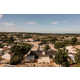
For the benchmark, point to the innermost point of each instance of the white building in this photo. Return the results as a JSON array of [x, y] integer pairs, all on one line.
[[71, 49], [6, 56], [44, 60], [72, 57], [28, 40]]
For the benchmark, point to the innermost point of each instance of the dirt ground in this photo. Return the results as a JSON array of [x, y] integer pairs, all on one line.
[[30, 65]]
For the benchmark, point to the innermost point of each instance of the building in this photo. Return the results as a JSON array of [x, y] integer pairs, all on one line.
[[31, 57], [71, 49], [44, 60], [28, 40], [6, 56]]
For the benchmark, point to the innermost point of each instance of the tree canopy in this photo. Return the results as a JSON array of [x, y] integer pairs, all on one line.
[[61, 57], [19, 50]]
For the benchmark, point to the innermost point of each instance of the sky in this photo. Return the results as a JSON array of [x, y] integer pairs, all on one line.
[[41, 23]]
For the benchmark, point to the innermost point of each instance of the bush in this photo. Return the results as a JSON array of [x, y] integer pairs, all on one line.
[[74, 40], [1, 45], [46, 47], [58, 45], [53, 40]]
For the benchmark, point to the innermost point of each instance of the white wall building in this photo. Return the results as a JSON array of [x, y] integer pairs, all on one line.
[[71, 49], [44, 60]]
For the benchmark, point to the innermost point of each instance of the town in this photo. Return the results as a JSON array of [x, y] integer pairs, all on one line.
[[21, 49]]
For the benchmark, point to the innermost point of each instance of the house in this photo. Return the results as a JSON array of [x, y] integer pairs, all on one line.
[[51, 53], [28, 40], [44, 60], [72, 57], [32, 57], [6, 56], [5, 47], [71, 49], [35, 47]]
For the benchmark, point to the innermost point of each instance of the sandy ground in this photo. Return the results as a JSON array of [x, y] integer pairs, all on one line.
[[30, 65], [37, 65]]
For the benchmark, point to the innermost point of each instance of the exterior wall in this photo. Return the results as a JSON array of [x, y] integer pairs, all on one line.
[[44, 60], [6, 56]]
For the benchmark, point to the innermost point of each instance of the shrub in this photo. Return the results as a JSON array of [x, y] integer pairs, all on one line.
[[58, 45], [46, 47], [53, 40], [74, 40]]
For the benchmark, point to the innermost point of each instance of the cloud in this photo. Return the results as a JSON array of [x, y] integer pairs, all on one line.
[[31, 22], [8, 24], [54, 22], [1, 16]]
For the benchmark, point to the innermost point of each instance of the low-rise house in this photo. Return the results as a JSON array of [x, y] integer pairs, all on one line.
[[71, 49], [6, 56], [51, 53], [9, 47], [28, 40], [1, 41], [5, 47], [41, 47], [32, 57], [44, 60], [72, 57]]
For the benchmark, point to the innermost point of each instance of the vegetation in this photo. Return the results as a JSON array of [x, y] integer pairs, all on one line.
[[10, 40], [44, 41], [74, 40], [28, 36], [61, 57], [46, 48], [53, 40], [77, 56], [58, 45], [0, 58], [1, 45], [19, 51]]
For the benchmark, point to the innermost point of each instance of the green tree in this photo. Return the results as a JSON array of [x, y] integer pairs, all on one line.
[[53, 40], [19, 51], [61, 57], [46, 48], [1, 45], [74, 40], [44, 41], [58, 45], [77, 56]]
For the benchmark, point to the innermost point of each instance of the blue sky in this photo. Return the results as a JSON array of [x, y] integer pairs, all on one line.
[[44, 23]]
